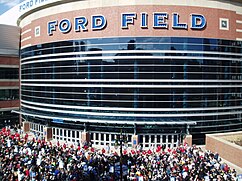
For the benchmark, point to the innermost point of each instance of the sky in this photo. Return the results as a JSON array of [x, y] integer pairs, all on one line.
[[8, 4]]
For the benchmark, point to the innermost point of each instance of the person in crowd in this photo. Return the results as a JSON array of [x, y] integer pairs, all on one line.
[[23, 159]]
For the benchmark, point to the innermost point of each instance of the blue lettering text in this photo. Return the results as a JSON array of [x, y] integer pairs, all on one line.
[[98, 22], [198, 21], [160, 20], [51, 27], [176, 24], [80, 24], [128, 18], [65, 25], [144, 21]]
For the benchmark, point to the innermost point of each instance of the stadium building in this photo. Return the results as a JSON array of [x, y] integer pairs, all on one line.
[[157, 70], [9, 74]]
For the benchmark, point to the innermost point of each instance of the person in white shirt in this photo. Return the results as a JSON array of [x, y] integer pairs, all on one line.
[[61, 163], [15, 149], [8, 142], [20, 175]]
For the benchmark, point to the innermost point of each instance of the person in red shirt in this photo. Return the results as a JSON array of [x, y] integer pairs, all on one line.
[[144, 152], [85, 147], [174, 152], [3, 129], [43, 142], [12, 136], [149, 152], [17, 135], [58, 143], [169, 150], [79, 148], [26, 172], [226, 168], [26, 136], [133, 152]]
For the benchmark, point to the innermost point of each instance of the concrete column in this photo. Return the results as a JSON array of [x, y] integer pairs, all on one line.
[[135, 140], [85, 136], [20, 120], [166, 141], [156, 144], [48, 135], [172, 140], [94, 137], [26, 126], [104, 137], [109, 140], [188, 140], [149, 141]]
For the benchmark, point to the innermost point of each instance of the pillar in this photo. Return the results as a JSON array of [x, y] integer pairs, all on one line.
[[26, 126], [85, 137], [135, 140], [188, 140], [172, 141], [167, 141], [20, 120], [48, 133]]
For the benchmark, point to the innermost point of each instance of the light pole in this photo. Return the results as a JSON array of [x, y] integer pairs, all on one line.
[[119, 142]]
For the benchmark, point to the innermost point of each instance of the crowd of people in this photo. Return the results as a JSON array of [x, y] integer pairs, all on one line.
[[22, 159]]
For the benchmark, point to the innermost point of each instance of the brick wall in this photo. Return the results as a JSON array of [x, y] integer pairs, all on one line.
[[188, 140], [227, 150]]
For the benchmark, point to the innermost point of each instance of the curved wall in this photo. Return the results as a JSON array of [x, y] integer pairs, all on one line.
[[162, 73], [114, 19]]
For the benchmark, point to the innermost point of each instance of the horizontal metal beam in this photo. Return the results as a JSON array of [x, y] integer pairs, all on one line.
[[108, 121]]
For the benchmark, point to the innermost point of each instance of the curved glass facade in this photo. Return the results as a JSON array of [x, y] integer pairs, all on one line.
[[135, 80]]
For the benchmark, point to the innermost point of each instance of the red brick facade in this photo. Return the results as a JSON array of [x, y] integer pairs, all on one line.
[[113, 28], [226, 149], [9, 60]]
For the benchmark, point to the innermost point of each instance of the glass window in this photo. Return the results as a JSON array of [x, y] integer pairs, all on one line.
[[175, 138], [169, 138], [9, 73], [97, 136], [184, 72], [152, 138], [112, 137], [140, 138], [107, 137], [158, 139]]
